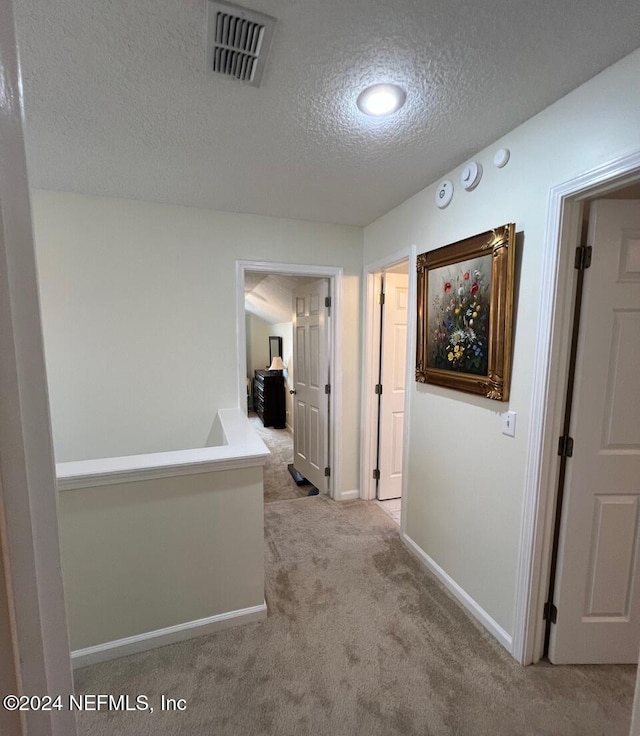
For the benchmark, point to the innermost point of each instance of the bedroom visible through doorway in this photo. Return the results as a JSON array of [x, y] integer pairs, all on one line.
[[287, 323]]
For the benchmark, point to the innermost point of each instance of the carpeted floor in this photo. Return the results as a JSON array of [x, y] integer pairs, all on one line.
[[278, 483], [360, 641]]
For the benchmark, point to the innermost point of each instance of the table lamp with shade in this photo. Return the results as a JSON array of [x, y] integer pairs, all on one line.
[[276, 364]]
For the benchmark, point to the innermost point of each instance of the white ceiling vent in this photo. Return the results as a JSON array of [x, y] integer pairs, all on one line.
[[238, 41]]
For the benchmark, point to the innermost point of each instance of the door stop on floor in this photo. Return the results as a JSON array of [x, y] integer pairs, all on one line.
[[297, 477]]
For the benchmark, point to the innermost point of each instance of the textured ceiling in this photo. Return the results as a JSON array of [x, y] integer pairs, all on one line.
[[119, 103]]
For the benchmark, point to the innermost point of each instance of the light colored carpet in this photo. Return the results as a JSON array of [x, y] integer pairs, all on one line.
[[360, 641], [278, 483]]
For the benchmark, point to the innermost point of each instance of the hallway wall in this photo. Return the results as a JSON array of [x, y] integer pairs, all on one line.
[[139, 318], [466, 479]]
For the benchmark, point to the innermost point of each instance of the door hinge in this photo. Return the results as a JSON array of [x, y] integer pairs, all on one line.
[[378, 389], [381, 297], [327, 472], [376, 474], [550, 612], [327, 301], [565, 446], [327, 388], [583, 257]]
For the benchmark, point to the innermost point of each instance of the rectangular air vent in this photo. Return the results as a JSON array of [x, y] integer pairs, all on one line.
[[238, 41]]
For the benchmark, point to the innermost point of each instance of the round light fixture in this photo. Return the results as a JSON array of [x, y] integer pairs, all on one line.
[[381, 99]]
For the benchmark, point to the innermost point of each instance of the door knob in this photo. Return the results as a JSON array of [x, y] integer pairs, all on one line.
[[293, 391]]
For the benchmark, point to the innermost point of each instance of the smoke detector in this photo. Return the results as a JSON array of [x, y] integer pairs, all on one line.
[[238, 41]]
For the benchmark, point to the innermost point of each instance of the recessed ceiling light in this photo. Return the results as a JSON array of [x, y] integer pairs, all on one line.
[[381, 99]]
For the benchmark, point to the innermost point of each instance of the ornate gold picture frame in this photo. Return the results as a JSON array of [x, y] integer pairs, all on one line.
[[465, 314]]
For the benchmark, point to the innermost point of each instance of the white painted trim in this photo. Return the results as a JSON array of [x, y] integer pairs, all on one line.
[[244, 449], [386, 262], [371, 339], [336, 371], [135, 468], [347, 495], [169, 635], [547, 396], [335, 276], [28, 513], [241, 337], [410, 384], [459, 593], [368, 413]]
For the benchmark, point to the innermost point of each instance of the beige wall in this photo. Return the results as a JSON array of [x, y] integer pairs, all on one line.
[[143, 556], [139, 318], [465, 479], [258, 332]]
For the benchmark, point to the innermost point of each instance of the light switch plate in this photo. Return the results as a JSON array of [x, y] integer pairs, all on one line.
[[509, 423]]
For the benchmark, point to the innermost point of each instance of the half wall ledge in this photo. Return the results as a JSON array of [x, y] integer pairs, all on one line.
[[241, 448]]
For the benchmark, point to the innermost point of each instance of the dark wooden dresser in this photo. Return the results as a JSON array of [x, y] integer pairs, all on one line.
[[268, 398]]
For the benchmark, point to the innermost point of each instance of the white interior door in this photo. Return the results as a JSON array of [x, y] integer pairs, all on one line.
[[311, 372], [392, 379], [598, 582]]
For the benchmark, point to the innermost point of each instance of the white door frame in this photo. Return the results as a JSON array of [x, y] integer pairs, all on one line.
[[335, 277], [28, 495], [371, 343], [548, 390]]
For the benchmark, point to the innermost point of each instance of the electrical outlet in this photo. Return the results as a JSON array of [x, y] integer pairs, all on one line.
[[509, 423]]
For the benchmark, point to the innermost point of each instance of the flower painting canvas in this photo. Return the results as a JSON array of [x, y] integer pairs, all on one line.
[[465, 312], [458, 328]]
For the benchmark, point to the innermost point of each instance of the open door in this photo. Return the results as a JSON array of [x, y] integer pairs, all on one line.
[[392, 381], [597, 589], [311, 375]]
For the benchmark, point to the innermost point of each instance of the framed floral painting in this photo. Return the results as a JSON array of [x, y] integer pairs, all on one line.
[[465, 313]]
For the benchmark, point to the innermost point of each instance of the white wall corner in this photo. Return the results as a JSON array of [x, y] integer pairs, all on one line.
[[33, 595], [474, 608], [368, 411], [413, 318]]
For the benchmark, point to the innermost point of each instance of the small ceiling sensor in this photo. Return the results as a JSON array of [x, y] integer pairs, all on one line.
[[471, 175], [381, 99], [502, 157], [444, 194]]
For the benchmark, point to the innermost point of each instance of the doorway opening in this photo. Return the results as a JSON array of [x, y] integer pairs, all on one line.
[[386, 370], [592, 612], [579, 576], [270, 376], [289, 372]]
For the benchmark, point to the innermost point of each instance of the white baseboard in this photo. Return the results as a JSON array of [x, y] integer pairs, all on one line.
[[347, 495], [162, 637], [492, 626]]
